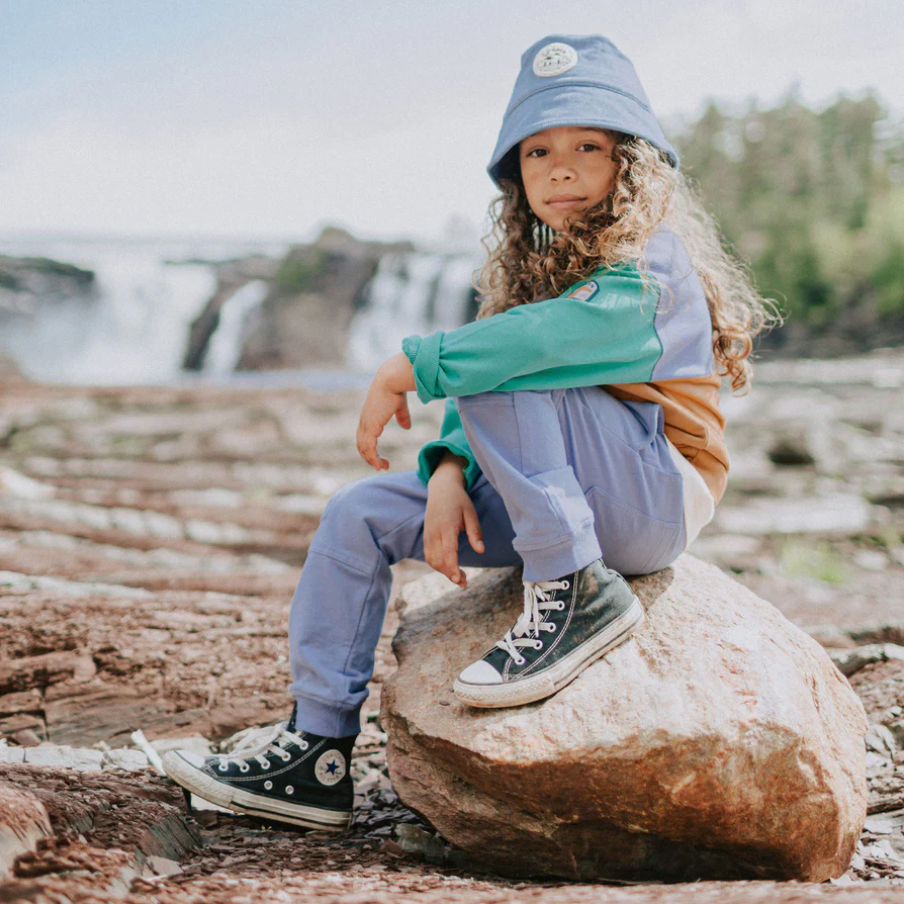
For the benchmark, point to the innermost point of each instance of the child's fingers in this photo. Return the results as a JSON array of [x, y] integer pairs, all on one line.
[[435, 556], [450, 556], [430, 556], [403, 415], [367, 447], [472, 526]]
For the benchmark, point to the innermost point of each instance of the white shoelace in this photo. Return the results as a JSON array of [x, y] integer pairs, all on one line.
[[526, 631], [260, 743]]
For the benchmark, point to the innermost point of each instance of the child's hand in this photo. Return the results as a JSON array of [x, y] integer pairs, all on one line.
[[449, 512], [385, 398]]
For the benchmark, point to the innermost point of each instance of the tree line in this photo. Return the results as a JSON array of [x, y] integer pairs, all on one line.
[[813, 200]]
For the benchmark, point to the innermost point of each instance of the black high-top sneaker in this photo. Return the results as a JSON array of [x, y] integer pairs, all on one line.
[[281, 774], [566, 625]]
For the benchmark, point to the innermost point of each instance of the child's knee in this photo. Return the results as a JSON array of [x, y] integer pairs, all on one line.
[[482, 401], [371, 503], [355, 499], [504, 399], [465, 403], [499, 411]]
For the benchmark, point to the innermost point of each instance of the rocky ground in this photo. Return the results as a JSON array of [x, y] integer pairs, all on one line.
[[150, 540]]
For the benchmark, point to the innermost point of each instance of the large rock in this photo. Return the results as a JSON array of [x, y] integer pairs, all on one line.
[[718, 742]]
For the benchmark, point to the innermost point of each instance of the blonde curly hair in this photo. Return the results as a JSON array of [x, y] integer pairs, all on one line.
[[527, 261]]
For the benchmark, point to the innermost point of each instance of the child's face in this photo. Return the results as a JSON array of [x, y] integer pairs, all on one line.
[[573, 163]]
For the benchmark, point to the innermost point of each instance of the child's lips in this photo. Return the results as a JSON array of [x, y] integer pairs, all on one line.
[[566, 204]]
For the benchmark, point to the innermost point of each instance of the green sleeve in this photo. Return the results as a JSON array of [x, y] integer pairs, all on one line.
[[452, 438], [598, 332]]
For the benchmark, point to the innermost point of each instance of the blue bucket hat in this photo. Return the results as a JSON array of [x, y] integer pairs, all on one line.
[[575, 80]]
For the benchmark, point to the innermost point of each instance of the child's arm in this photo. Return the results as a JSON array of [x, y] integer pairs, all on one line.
[[495, 366], [601, 331], [387, 397], [451, 439]]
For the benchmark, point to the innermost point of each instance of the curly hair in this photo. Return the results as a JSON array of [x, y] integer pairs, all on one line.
[[527, 261]]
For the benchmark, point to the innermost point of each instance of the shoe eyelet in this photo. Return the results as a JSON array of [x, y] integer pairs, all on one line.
[[561, 605], [290, 789], [285, 757], [520, 661], [268, 786], [567, 585], [265, 764], [244, 767], [304, 745], [222, 768], [552, 628], [538, 644]]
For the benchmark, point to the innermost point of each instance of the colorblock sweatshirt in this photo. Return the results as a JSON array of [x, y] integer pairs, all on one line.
[[641, 339]]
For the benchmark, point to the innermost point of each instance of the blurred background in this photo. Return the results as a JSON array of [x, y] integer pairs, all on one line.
[[204, 187]]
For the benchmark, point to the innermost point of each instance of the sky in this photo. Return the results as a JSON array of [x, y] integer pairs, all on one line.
[[273, 118]]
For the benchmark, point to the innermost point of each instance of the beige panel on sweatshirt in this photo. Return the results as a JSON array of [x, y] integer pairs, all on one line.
[[693, 422]]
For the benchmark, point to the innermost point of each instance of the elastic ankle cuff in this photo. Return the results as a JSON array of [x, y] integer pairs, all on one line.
[[564, 558], [321, 719]]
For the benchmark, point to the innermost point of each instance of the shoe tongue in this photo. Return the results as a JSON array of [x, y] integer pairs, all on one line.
[[291, 724], [572, 576]]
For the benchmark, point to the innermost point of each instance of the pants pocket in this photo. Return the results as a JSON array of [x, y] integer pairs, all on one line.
[[632, 542]]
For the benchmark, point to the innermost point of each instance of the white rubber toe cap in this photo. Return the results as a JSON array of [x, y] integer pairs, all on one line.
[[193, 759], [480, 672]]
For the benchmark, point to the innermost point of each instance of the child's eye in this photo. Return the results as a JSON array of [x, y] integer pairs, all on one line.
[[590, 144], [534, 151]]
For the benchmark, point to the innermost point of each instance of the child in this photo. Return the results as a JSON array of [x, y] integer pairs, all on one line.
[[582, 435]]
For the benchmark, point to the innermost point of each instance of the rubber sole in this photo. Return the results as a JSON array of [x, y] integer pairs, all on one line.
[[553, 679], [259, 805]]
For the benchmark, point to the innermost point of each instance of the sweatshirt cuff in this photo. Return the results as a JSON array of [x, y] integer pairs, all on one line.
[[431, 455], [423, 353]]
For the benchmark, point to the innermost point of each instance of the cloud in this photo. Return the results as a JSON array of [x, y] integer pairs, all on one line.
[[297, 114], [261, 175]]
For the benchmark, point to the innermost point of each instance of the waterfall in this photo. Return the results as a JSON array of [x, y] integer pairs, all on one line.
[[225, 346], [410, 293], [133, 326]]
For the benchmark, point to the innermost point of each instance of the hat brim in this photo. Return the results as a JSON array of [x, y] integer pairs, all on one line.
[[576, 105]]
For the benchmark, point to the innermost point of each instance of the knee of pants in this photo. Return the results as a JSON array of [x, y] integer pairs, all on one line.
[[464, 404], [358, 513], [503, 397], [344, 511], [352, 502]]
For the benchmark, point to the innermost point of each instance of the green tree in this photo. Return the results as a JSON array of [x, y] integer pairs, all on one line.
[[814, 201]]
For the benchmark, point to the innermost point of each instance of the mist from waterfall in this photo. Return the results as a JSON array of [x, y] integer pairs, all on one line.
[[410, 293], [133, 326]]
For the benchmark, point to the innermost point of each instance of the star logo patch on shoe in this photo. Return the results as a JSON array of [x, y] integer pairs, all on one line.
[[330, 767]]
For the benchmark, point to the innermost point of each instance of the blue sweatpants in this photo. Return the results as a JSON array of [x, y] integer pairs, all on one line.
[[568, 475]]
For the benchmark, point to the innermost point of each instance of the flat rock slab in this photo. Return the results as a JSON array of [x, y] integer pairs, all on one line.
[[54, 821], [719, 742], [23, 822]]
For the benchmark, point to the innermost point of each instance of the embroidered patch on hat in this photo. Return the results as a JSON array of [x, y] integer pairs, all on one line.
[[585, 292], [554, 59], [330, 767]]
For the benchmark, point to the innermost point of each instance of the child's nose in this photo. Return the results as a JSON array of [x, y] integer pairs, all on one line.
[[561, 169], [562, 173]]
